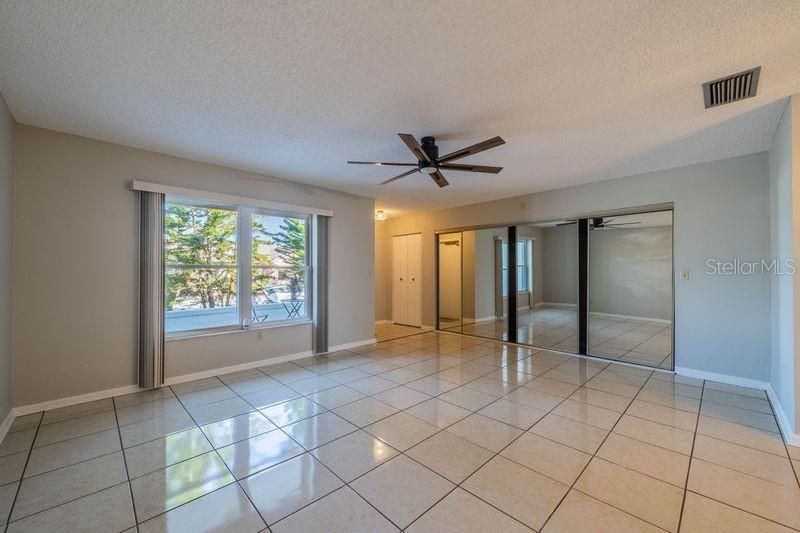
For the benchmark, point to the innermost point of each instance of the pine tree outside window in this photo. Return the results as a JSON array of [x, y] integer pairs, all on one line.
[[231, 268]]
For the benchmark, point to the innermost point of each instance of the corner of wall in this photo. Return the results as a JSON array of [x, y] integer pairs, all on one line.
[[784, 180], [6, 191], [382, 268]]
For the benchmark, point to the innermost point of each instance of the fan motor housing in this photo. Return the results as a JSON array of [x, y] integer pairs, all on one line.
[[428, 145]]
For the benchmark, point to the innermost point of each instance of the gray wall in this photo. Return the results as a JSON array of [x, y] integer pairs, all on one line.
[[784, 175], [6, 170], [383, 270], [721, 210], [630, 272], [560, 265], [75, 260], [469, 270], [484, 271]]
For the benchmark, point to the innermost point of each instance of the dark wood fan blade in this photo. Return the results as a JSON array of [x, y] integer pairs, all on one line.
[[382, 164], [471, 168], [414, 146], [439, 179], [403, 175], [474, 149]]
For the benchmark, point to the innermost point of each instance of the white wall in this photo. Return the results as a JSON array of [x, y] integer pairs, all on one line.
[[6, 171], [75, 265], [784, 168], [560, 264], [630, 272], [721, 210]]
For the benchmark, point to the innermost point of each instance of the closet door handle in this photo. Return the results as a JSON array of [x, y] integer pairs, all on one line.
[[412, 279]]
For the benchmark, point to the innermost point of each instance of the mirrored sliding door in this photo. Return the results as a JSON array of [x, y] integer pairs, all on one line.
[[450, 281], [600, 285], [484, 291], [630, 289], [547, 285]]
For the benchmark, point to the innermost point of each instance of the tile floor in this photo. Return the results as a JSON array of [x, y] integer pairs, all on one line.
[[389, 331], [431, 432], [644, 342]]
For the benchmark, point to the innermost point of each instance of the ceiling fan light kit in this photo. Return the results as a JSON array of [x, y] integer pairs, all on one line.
[[429, 162]]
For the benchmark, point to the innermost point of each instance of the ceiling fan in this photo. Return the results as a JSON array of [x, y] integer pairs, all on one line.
[[600, 223], [429, 162]]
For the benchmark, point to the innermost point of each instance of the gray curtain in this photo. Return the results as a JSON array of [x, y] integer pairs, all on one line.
[[321, 280], [151, 289]]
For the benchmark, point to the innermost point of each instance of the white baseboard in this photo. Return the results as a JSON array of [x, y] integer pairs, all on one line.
[[350, 345], [73, 400], [791, 437], [6, 424], [554, 304], [783, 421], [482, 319], [109, 393], [721, 378], [632, 317], [235, 368]]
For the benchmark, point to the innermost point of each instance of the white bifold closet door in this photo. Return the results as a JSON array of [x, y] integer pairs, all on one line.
[[406, 279]]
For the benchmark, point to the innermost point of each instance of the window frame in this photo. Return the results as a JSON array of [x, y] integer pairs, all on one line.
[[522, 255], [244, 267], [523, 261], [246, 316]]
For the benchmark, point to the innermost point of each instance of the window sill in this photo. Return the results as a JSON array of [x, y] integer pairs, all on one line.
[[213, 333]]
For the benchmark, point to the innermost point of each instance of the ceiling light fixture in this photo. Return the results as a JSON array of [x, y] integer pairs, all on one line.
[[380, 214], [428, 169]]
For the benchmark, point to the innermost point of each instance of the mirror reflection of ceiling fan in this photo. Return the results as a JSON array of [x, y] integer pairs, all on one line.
[[429, 162], [601, 223]]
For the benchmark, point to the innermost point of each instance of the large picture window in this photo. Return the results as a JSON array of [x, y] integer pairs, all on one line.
[[229, 267]]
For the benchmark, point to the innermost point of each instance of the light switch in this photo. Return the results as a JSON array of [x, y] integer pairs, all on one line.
[[684, 275]]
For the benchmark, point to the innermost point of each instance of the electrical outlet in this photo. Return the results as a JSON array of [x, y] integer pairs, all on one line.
[[259, 336], [684, 275]]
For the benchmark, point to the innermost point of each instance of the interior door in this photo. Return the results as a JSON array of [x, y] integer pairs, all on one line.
[[399, 279], [414, 280]]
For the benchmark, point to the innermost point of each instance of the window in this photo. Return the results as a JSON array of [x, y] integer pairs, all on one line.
[[523, 260], [522, 265], [228, 267], [279, 268]]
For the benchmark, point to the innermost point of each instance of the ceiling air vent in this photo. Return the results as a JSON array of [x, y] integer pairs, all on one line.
[[731, 88]]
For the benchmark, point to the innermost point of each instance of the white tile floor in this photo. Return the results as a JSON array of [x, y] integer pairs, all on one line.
[[431, 432], [644, 342]]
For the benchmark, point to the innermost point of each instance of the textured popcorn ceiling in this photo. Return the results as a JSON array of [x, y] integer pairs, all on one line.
[[580, 90]]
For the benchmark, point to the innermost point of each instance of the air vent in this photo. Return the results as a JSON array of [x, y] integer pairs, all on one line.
[[731, 88]]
